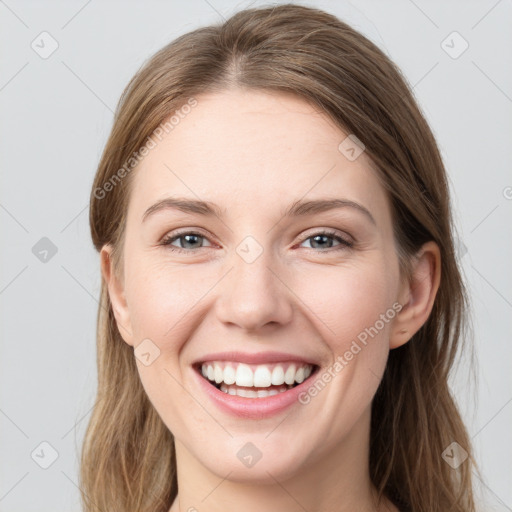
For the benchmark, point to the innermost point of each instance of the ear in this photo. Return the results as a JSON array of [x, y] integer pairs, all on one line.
[[116, 294], [417, 295]]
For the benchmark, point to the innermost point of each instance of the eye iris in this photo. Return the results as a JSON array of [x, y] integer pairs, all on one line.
[[315, 240], [190, 240], [187, 238]]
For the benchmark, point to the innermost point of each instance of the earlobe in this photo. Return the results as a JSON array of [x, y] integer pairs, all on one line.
[[418, 295], [116, 294]]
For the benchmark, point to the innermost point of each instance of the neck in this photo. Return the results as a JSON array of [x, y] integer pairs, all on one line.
[[338, 481]]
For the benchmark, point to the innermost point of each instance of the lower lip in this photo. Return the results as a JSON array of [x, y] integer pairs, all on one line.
[[252, 408]]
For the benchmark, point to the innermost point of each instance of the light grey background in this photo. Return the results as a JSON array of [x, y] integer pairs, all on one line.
[[56, 114]]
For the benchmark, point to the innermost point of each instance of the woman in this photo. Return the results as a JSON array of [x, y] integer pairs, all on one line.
[[281, 303]]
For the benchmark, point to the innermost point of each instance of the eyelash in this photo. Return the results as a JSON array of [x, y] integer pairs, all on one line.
[[344, 244]]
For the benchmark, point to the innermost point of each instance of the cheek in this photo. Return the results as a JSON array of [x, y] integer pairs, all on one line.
[[161, 299], [350, 302], [343, 301]]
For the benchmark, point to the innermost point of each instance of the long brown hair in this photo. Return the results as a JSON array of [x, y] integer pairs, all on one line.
[[128, 461]]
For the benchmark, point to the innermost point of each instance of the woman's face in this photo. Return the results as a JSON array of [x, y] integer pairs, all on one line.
[[250, 290]]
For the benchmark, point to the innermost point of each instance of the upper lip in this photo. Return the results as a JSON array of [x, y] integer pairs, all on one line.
[[255, 358]]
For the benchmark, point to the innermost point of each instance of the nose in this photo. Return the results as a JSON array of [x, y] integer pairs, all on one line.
[[254, 295]]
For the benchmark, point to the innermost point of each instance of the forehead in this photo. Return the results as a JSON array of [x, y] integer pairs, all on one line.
[[243, 149]]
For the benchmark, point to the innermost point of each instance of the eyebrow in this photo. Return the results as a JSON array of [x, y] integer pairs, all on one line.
[[302, 208], [298, 208], [204, 208]]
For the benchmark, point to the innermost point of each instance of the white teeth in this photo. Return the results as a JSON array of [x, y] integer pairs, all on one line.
[[299, 376], [258, 376], [229, 375], [278, 375], [262, 377], [251, 393], [218, 373], [244, 376], [247, 393], [289, 376]]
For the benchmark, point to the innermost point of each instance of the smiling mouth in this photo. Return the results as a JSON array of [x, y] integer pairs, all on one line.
[[255, 381]]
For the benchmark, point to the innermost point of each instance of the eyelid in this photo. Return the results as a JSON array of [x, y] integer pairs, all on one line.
[[184, 231], [346, 241], [175, 234], [334, 232]]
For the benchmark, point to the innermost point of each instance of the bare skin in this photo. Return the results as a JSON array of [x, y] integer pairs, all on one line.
[[253, 154]]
